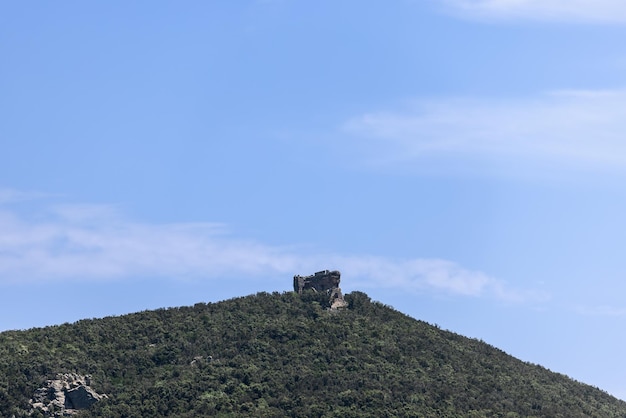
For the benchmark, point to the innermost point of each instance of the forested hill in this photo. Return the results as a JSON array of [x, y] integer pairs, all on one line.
[[274, 355]]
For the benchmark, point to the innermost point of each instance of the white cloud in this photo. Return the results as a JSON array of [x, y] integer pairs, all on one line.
[[432, 275], [105, 247], [547, 10], [567, 127], [603, 310], [86, 243], [11, 195]]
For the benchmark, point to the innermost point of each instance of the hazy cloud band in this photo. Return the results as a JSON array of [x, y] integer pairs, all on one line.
[[578, 11], [565, 127], [86, 242]]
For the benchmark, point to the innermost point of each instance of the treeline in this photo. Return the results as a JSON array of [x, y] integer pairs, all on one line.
[[281, 354]]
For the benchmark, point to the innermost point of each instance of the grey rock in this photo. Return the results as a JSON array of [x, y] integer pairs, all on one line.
[[81, 397], [64, 395]]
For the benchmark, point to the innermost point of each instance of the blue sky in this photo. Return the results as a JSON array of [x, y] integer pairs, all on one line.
[[460, 160]]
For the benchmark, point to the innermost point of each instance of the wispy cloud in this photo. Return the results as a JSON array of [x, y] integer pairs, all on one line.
[[11, 195], [567, 127], [603, 310], [594, 11], [433, 275], [87, 242], [95, 243]]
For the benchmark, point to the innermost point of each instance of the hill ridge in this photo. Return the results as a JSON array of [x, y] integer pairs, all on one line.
[[284, 354]]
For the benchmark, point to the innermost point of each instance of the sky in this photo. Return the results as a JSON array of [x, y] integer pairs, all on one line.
[[460, 160]]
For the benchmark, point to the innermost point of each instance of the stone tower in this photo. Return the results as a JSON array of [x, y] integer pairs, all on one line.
[[324, 281]]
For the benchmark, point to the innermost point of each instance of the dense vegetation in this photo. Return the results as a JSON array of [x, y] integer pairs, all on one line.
[[285, 355]]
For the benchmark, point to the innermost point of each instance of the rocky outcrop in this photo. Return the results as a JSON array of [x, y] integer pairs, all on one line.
[[65, 395], [336, 299], [324, 281]]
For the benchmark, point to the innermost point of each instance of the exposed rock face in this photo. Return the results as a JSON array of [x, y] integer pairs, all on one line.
[[81, 397], [322, 281], [65, 395], [336, 299]]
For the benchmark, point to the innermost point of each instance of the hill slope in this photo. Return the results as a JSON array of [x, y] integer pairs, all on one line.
[[285, 355]]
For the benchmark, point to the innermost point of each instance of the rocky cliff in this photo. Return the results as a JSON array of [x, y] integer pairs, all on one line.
[[64, 395]]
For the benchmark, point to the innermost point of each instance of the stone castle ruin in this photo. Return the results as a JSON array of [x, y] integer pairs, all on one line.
[[324, 281]]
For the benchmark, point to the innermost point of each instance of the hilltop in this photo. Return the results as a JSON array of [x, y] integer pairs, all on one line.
[[284, 354]]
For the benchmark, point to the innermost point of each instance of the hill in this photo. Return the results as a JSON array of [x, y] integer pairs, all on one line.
[[286, 355]]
